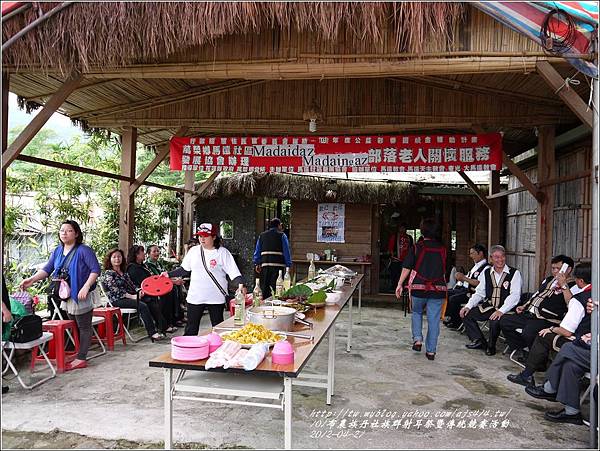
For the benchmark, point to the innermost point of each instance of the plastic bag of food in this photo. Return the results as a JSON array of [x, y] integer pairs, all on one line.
[[222, 355], [237, 360], [255, 355]]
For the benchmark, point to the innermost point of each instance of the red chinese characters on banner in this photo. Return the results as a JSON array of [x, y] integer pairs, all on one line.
[[388, 153]]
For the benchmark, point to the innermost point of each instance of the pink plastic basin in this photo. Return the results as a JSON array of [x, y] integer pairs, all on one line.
[[215, 341], [189, 348]]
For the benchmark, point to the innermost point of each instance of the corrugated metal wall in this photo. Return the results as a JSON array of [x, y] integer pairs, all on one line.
[[572, 217]]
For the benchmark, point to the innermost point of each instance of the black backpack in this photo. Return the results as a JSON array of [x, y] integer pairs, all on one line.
[[25, 329]]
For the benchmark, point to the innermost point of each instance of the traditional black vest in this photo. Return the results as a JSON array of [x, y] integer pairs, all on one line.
[[475, 275], [271, 249], [585, 326], [547, 303], [496, 293]]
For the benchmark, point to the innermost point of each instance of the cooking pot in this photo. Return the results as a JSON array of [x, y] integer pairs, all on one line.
[[273, 317]]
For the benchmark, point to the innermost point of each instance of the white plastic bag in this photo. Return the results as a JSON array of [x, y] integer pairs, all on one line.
[[255, 355]]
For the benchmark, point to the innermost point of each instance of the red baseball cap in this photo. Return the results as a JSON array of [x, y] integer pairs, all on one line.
[[207, 229]]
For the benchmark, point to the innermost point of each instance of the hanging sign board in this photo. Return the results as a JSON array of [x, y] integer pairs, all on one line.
[[388, 153], [330, 223]]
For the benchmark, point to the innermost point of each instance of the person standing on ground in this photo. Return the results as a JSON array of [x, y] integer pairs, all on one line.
[[398, 247], [426, 266], [79, 261], [271, 255]]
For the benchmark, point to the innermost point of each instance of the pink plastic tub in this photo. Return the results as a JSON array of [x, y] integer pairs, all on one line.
[[283, 353], [189, 348], [215, 341]]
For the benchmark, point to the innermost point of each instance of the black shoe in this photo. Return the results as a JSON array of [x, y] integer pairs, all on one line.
[[4, 389], [430, 356], [451, 325], [537, 391], [521, 380], [476, 344], [490, 350], [562, 417], [417, 346]]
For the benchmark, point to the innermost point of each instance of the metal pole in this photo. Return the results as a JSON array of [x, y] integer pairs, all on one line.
[[595, 266]]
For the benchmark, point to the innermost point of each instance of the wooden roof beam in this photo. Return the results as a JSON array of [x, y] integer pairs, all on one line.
[[40, 120], [569, 96], [469, 88], [40, 97], [163, 100], [522, 177], [162, 154], [475, 190], [207, 183], [308, 70]]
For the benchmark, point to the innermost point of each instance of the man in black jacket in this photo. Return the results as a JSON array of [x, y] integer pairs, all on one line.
[[272, 255]]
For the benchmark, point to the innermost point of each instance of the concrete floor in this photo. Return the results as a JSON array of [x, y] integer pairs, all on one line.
[[119, 398]]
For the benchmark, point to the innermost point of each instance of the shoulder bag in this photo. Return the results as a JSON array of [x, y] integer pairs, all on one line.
[[228, 297]]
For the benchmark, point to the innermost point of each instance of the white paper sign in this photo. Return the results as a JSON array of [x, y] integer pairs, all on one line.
[[330, 223]]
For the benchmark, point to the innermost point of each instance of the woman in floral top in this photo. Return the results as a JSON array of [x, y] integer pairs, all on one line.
[[121, 292]]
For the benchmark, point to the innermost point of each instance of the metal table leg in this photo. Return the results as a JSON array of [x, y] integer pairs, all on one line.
[[360, 302], [287, 412], [168, 373], [349, 344], [331, 365]]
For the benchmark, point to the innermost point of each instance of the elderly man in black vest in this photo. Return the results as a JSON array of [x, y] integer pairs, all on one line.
[[272, 254], [575, 324], [498, 292], [546, 307]]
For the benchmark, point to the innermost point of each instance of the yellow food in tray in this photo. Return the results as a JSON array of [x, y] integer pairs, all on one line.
[[253, 333]]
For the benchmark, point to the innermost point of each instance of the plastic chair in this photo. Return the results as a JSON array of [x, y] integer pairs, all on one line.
[[57, 347], [96, 320], [106, 330], [34, 345], [130, 312]]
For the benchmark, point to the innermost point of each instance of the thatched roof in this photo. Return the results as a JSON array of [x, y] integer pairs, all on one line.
[[299, 187], [112, 34]]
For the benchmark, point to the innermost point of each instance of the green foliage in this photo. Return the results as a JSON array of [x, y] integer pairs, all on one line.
[[39, 198]]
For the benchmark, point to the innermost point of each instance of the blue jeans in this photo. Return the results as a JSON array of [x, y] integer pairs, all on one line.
[[434, 310]]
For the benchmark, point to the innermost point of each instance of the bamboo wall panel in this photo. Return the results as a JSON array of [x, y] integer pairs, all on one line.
[[358, 232], [572, 216]]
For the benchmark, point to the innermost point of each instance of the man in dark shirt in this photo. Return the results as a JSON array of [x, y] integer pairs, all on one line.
[[272, 255]]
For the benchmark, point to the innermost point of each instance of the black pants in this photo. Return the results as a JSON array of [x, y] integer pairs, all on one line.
[[569, 366], [156, 312], [84, 325], [395, 272], [166, 308], [143, 310], [530, 325], [177, 296], [195, 312], [472, 328], [543, 350], [268, 279], [457, 297]]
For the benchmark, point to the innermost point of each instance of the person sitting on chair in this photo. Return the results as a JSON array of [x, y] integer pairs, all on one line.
[[466, 285], [546, 308], [562, 380], [498, 292], [576, 323]]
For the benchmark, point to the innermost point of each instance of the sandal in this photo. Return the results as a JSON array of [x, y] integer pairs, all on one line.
[[417, 346], [430, 355]]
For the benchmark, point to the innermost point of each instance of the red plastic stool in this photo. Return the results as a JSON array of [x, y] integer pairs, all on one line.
[[106, 330], [232, 305], [56, 347]]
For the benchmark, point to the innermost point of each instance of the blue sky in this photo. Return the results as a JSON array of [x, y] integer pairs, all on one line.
[[59, 123]]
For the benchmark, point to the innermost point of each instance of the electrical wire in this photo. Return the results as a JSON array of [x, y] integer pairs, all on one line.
[[558, 41]]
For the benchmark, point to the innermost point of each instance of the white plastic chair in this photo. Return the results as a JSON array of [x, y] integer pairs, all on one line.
[[39, 343], [129, 311]]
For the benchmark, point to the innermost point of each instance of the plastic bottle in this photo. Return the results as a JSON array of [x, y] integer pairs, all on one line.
[[240, 307], [257, 296], [287, 280], [311, 270], [279, 285]]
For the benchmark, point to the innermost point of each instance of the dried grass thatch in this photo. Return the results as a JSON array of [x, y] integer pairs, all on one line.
[[113, 34], [318, 189]]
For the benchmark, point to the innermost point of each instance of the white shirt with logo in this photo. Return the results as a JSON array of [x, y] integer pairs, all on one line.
[[220, 263]]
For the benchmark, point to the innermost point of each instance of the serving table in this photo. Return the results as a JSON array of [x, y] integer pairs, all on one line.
[[269, 385]]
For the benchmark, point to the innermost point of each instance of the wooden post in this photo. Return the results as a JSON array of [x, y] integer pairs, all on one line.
[[494, 217], [39, 120], [545, 207], [126, 203], [4, 146], [188, 206]]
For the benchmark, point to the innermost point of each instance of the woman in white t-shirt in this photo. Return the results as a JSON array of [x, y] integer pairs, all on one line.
[[206, 292]]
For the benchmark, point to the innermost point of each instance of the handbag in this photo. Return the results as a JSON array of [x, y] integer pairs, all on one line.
[[228, 297], [25, 329], [59, 287]]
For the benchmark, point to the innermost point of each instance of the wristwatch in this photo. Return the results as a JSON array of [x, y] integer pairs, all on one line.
[[565, 287]]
